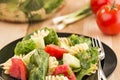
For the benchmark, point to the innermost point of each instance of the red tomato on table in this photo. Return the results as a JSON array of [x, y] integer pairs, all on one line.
[[18, 69], [55, 51], [97, 4], [108, 19]]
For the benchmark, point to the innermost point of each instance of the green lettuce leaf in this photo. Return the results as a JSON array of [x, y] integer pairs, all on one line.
[[52, 37], [89, 60], [75, 39], [24, 47], [38, 65]]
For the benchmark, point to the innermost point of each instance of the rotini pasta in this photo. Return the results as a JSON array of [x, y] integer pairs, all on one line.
[[6, 66], [39, 33], [65, 40], [8, 63], [94, 69], [53, 63], [77, 48], [38, 38], [50, 77], [64, 43]]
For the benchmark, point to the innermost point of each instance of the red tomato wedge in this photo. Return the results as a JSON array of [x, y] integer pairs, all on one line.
[[55, 51], [66, 71], [18, 69]]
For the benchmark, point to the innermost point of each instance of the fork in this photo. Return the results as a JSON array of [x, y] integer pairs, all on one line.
[[97, 43]]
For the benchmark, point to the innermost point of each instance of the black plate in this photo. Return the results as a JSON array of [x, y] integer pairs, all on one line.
[[109, 63]]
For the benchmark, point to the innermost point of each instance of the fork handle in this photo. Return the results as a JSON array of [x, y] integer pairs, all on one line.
[[102, 75]]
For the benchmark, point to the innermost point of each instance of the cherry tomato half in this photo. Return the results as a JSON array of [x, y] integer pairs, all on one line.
[[108, 19]]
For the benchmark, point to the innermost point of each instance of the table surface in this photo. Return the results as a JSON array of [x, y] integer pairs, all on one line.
[[87, 26]]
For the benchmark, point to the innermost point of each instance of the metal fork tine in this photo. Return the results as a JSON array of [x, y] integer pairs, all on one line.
[[97, 43], [93, 44], [102, 49]]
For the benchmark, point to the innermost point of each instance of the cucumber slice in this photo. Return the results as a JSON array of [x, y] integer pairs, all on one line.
[[71, 60]]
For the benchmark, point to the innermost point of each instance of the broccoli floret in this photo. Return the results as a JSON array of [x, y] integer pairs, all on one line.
[[24, 47]]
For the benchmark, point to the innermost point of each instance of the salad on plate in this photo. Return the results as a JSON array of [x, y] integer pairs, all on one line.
[[43, 55]]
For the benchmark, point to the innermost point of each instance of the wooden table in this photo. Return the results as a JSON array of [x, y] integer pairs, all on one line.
[[11, 31]]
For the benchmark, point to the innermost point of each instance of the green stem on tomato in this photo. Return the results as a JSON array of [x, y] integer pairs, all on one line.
[[113, 6]]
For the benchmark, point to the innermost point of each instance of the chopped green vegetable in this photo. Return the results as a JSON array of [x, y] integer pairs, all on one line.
[[24, 47], [71, 60], [75, 39], [37, 39], [38, 65], [89, 60], [26, 58], [52, 37]]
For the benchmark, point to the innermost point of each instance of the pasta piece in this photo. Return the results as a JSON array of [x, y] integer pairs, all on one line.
[[39, 33], [64, 43], [53, 63], [8, 63], [77, 48], [6, 66], [38, 38], [56, 78], [95, 68]]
